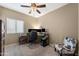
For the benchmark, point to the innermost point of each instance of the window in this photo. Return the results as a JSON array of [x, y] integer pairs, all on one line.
[[11, 25], [20, 26], [15, 26]]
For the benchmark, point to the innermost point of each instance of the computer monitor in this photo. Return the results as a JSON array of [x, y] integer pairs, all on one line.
[[43, 30], [38, 30]]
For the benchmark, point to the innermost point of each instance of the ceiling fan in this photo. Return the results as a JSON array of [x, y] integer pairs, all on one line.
[[34, 7]]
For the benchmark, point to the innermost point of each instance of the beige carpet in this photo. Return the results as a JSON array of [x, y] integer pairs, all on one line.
[[25, 50]]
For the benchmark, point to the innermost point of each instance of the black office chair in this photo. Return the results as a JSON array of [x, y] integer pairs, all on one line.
[[32, 37]]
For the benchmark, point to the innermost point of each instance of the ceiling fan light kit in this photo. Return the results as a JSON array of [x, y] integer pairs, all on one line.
[[34, 7]]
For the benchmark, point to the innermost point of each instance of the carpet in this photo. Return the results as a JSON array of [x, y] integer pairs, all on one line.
[[26, 50]]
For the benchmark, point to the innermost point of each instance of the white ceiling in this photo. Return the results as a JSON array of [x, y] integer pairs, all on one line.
[[49, 7]]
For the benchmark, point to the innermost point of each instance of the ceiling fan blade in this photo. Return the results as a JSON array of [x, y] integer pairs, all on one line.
[[41, 6], [25, 6], [38, 11]]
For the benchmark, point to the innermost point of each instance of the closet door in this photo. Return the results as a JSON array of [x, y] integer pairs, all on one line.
[[2, 38]]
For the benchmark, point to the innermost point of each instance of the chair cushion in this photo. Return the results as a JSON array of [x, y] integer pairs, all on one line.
[[68, 47], [69, 42]]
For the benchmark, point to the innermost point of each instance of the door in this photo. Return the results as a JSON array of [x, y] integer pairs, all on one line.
[[2, 37]]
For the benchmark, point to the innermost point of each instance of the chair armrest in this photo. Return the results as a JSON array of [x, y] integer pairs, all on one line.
[[69, 49], [66, 48]]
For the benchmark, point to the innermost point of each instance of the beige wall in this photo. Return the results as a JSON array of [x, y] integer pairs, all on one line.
[[29, 21], [78, 23], [0, 13], [78, 29], [61, 22]]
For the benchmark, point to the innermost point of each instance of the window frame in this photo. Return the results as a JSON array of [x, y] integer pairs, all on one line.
[[16, 32]]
